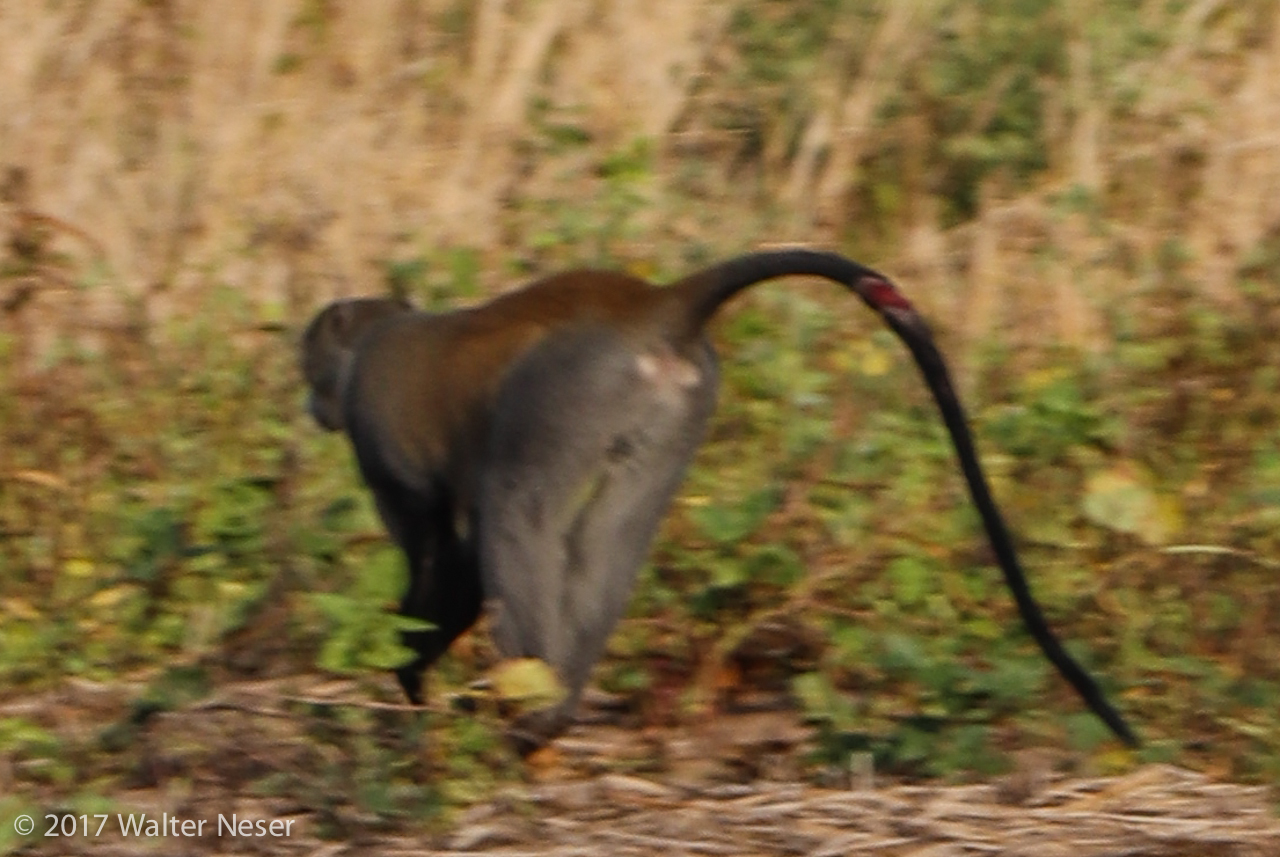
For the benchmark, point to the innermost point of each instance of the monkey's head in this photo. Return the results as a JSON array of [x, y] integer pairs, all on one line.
[[328, 344]]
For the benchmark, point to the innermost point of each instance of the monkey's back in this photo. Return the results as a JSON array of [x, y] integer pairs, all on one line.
[[422, 390]]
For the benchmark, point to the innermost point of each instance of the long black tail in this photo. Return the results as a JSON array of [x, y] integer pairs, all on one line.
[[702, 294]]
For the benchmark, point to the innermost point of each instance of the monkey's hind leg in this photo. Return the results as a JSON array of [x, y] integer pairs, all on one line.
[[590, 438], [444, 579], [444, 590]]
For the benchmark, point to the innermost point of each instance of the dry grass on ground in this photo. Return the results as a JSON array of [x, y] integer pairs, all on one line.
[[581, 799]]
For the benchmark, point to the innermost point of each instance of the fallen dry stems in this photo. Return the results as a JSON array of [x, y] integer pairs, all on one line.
[[1156, 810]]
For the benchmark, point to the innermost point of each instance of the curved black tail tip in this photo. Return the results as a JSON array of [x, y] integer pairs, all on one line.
[[1108, 715], [1125, 734]]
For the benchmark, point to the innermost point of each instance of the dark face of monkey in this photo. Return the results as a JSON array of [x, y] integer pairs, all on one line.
[[327, 347]]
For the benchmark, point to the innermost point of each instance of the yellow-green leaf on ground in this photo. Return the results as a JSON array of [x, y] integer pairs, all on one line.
[[1123, 498], [529, 682]]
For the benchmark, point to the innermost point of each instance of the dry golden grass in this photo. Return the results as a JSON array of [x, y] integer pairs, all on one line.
[[1158, 811], [220, 143], [287, 148]]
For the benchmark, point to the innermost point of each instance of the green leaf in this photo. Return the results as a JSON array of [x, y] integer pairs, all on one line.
[[821, 701], [728, 573], [383, 576], [335, 606], [969, 749], [912, 580], [1086, 732], [775, 564], [902, 655], [1013, 680], [850, 643], [386, 653], [20, 735], [727, 524]]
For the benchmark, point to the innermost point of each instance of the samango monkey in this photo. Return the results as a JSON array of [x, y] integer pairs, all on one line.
[[523, 452]]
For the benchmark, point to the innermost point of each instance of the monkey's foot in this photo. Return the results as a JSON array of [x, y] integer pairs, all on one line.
[[410, 678]]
